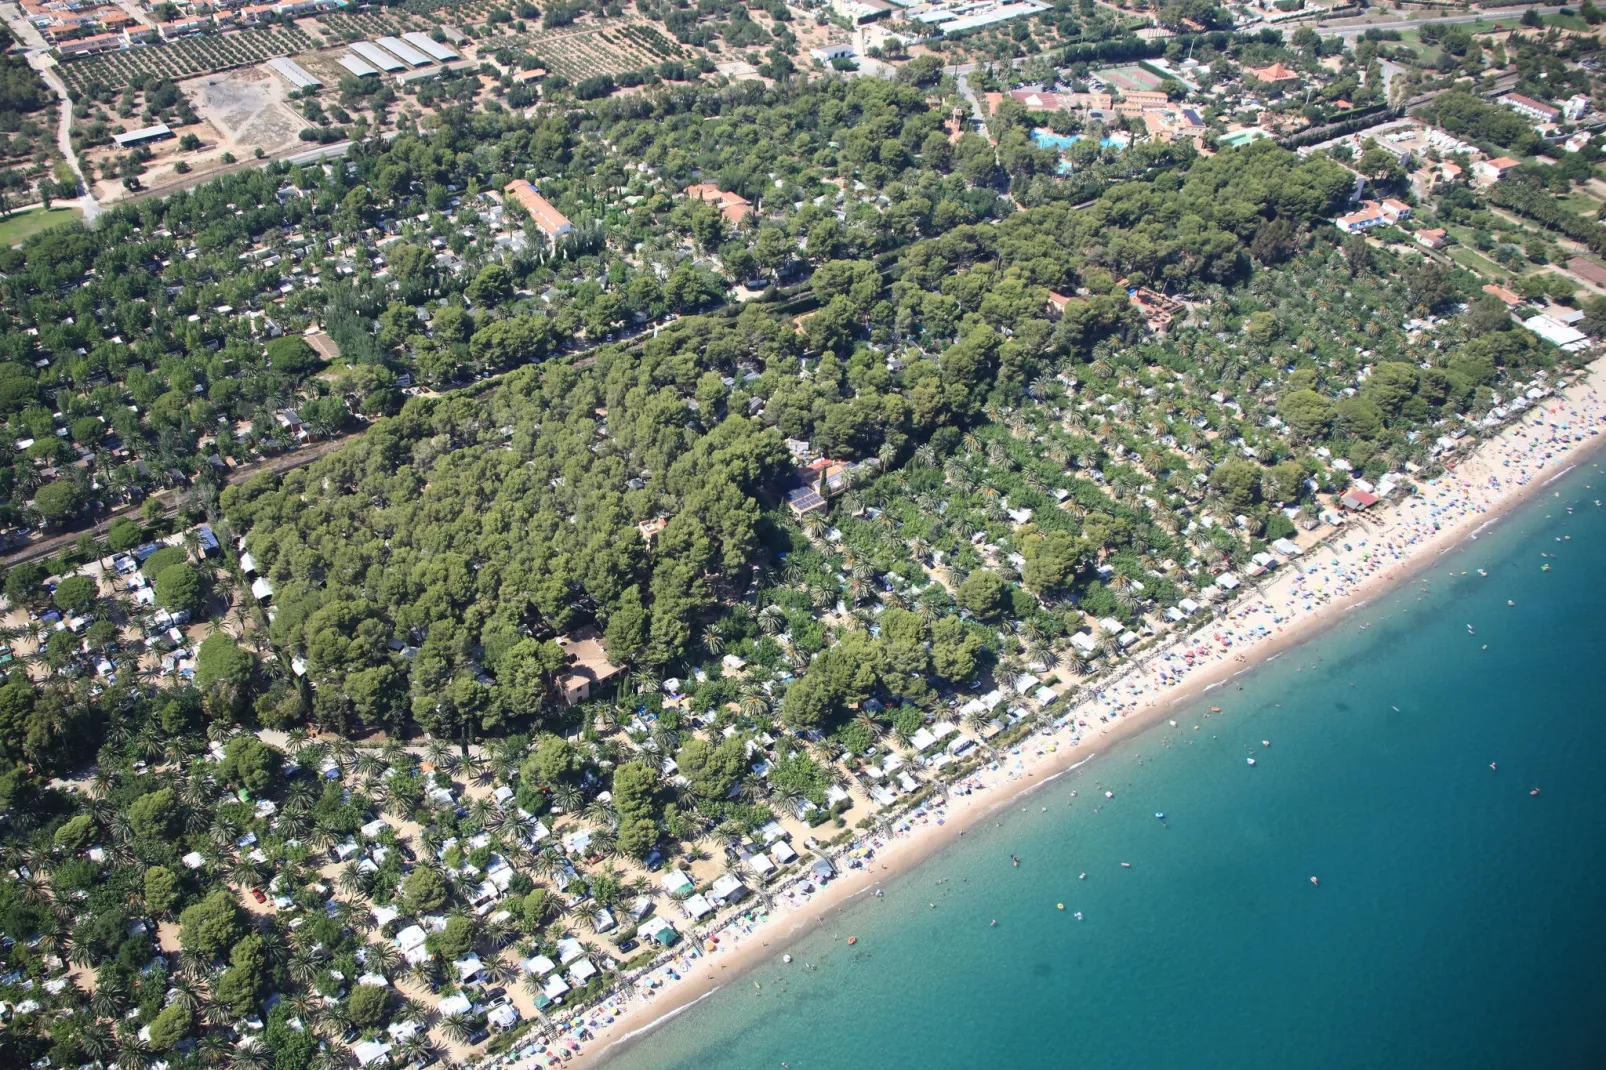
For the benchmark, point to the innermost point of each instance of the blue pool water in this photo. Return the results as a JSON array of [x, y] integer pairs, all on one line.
[[1047, 139]]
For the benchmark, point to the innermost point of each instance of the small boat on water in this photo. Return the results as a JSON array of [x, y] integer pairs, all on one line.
[[1109, 795], [1126, 865], [1160, 814], [1265, 743], [1215, 709], [1251, 761], [852, 940], [1078, 915], [1083, 877], [1314, 881], [786, 958], [1482, 573]]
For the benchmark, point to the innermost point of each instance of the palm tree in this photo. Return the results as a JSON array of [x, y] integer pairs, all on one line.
[[456, 1028], [334, 1020], [353, 881], [567, 797], [438, 752], [108, 1001], [253, 1056], [133, 1053], [415, 1050], [305, 964], [870, 723], [244, 874]]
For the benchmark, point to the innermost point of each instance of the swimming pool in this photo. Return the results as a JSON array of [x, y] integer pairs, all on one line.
[[1047, 139]]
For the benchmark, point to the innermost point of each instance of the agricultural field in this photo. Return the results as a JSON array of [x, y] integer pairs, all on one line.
[[366, 25], [605, 47], [185, 58], [463, 12]]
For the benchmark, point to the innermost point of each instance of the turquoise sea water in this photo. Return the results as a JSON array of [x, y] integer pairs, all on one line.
[[1457, 924]]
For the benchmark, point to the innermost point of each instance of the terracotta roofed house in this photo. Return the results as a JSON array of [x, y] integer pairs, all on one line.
[[1533, 109], [553, 222], [1046, 100], [588, 664], [1370, 215], [1273, 74], [1495, 169], [733, 206]]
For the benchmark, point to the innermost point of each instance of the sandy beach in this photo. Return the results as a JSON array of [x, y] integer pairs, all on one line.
[[1328, 584]]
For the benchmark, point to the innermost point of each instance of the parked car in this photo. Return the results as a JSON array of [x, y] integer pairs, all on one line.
[[479, 1037], [256, 893], [628, 946]]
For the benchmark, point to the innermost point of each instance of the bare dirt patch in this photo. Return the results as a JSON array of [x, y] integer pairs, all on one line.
[[247, 107]]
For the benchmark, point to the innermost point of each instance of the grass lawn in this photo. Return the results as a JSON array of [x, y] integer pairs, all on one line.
[[1580, 202], [1475, 261], [26, 224], [1567, 22]]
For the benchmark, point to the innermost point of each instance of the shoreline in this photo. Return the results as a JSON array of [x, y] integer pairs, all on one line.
[[1461, 504]]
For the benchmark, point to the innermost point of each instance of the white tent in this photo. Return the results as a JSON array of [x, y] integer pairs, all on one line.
[[454, 1004], [371, 1052]]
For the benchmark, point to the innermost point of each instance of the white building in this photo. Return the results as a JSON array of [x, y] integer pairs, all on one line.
[[827, 53]]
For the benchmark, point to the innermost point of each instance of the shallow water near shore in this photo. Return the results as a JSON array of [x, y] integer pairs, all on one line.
[[1456, 923]]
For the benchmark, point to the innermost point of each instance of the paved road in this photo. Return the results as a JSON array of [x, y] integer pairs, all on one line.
[[42, 63], [1508, 16], [304, 156], [38, 55], [281, 464]]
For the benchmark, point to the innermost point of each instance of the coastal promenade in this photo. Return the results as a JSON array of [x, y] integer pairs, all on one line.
[[1330, 584]]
